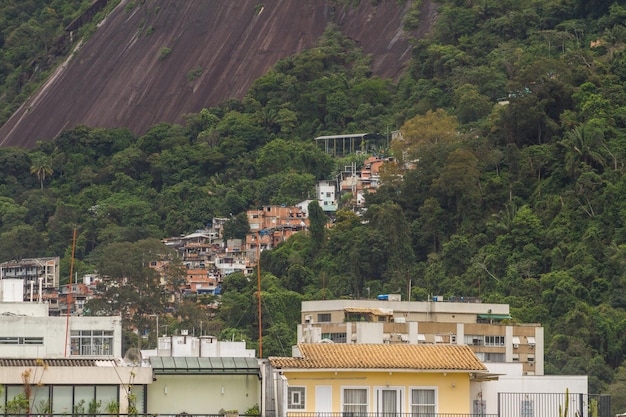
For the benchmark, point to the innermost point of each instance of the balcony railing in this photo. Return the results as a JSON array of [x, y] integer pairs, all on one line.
[[383, 414]]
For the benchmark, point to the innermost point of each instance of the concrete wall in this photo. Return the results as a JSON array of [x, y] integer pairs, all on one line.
[[452, 389], [55, 334], [512, 380], [411, 310], [203, 394]]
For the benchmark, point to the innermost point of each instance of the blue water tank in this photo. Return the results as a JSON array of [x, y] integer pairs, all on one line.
[[383, 297]]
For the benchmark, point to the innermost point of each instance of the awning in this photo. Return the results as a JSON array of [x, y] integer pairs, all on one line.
[[421, 337], [531, 340], [495, 316], [516, 340], [165, 365]]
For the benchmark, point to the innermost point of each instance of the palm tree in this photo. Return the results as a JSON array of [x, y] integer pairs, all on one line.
[[584, 146], [42, 167]]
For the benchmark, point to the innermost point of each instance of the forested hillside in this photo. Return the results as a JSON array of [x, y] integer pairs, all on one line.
[[514, 118]]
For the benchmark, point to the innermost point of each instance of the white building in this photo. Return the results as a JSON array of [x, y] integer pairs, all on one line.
[[512, 389], [186, 368], [326, 194], [36, 274], [198, 347], [71, 363]]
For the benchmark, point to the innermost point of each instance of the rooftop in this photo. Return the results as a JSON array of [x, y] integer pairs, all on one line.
[[382, 356]]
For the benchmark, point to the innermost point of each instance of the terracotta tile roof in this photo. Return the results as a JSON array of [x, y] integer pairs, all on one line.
[[382, 356]]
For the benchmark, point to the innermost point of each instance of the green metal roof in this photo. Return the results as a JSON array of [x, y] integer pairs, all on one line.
[[165, 365]]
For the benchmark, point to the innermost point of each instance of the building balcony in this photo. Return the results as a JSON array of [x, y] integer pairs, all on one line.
[[382, 414]]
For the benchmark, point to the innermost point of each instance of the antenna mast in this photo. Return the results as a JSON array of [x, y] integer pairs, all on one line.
[[69, 294]]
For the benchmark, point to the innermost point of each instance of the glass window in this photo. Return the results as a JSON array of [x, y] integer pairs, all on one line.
[[335, 337], [480, 408], [295, 398], [355, 401], [106, 395], [474, 340], [62, 399], [491, 357], [138, 396], [423, 402], [92, 342], [527, 408], [40, 400], [494, 340], [84, 395], [323, 317]]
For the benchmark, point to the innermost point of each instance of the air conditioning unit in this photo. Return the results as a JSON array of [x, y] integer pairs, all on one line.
[[308, 318], [515, 345]]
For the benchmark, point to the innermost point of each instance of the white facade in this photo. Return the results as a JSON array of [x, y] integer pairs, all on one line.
[[511, 379], [199, 347], [69, 361], [26, 331], [326, 193]]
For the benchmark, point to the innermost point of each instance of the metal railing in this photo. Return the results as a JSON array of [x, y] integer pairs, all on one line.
[[383, 414]]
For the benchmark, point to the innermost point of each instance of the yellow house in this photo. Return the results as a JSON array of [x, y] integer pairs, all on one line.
[[376, 378]]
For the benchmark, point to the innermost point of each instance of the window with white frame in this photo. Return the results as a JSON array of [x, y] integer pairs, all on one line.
[[355, 401], [423, 401], [494, 340], [91, 342], [295, 398]]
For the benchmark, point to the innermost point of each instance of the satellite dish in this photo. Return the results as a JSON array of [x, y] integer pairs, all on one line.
[[133, 356]]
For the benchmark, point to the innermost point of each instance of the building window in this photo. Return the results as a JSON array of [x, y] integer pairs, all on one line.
[[480, 408], [335, 337], [323, 318], [527, 409], [491, 357], [494, 340], [354, 401], [474, 340], [423, 402], [295, 398], [21, 340], [92, 342]]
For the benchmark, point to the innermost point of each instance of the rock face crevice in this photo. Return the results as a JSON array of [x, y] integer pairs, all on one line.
[[163, 59]]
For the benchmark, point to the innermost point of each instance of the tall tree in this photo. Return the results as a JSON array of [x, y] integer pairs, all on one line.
[[42, 167]]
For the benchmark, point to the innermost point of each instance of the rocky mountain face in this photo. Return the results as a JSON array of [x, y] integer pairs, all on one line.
[[161, 59]]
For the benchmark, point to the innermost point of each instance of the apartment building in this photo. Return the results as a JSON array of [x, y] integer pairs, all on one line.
[[488, 329], [271, 225], [37, 274], [326, 193]]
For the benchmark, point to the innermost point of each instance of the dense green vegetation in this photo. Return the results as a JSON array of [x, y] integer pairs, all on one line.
[[517, 128]]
